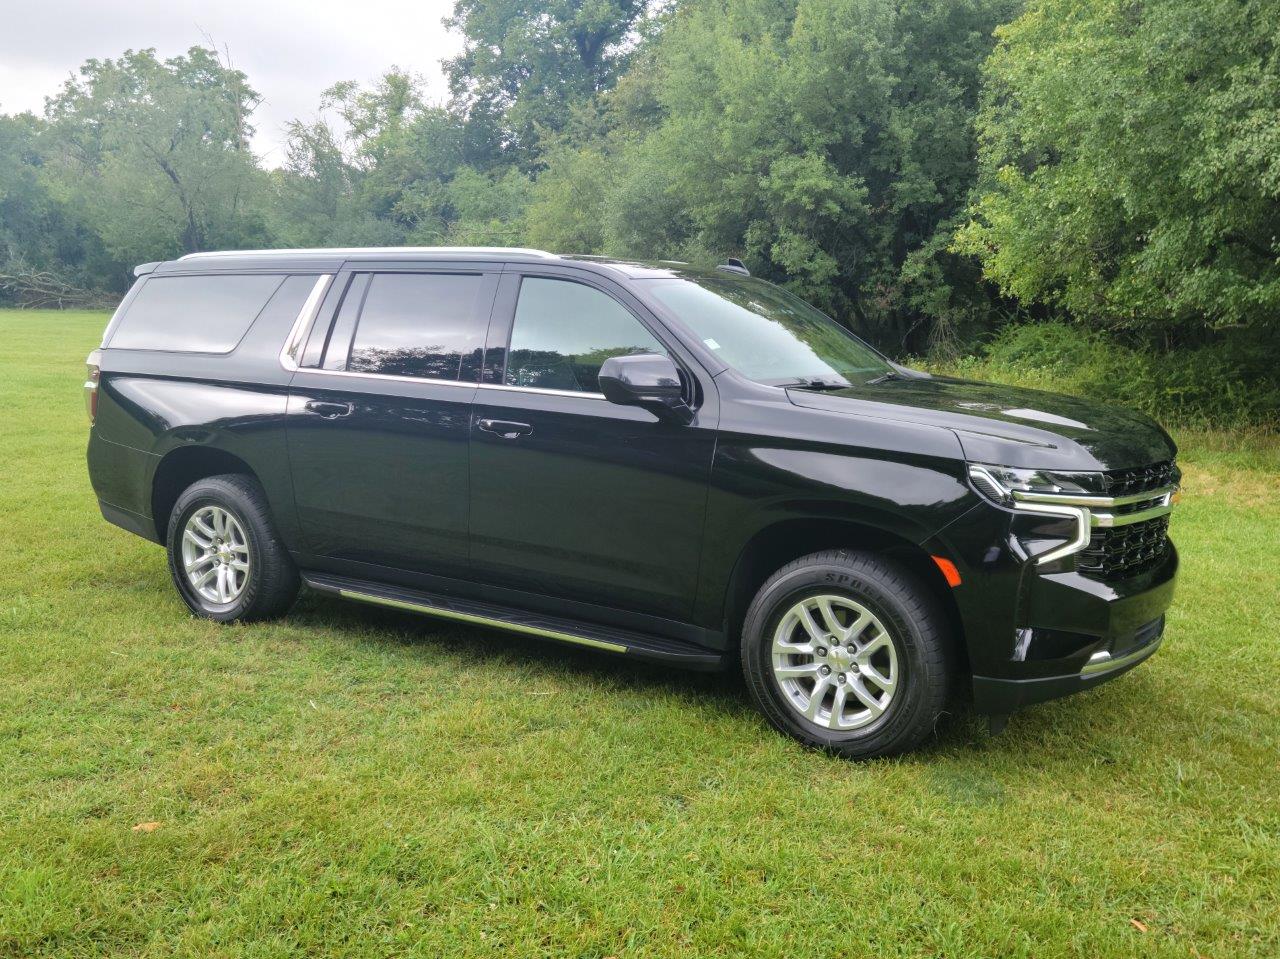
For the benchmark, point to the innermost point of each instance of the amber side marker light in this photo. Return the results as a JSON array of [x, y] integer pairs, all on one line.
[[949, 571]]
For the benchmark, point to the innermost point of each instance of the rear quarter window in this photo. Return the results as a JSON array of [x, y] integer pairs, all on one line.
[[194, 314]]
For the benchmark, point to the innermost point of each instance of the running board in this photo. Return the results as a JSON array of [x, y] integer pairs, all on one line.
[[607, 638]]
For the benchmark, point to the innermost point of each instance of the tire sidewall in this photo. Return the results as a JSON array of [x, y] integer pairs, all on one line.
[[213, 492], [888, 731]]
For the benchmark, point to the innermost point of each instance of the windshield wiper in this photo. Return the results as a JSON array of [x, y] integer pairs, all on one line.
[[885, 377], [814, 383]]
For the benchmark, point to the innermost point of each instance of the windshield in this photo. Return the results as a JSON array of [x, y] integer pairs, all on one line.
[[766, 333]]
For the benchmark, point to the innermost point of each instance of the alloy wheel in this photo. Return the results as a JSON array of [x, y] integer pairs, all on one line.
[[834, 662], [215, 554]]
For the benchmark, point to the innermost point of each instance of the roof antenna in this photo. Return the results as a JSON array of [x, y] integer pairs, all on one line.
[[734, 265]]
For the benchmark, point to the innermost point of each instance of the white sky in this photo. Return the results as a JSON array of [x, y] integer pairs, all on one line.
[[290, 49]]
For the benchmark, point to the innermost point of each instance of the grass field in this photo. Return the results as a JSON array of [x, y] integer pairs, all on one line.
[[351, 782]]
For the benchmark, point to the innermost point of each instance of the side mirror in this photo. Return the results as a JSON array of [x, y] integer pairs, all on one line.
[[647, 380]]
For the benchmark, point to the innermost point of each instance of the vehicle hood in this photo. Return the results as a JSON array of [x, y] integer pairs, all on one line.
[[1008, 425]]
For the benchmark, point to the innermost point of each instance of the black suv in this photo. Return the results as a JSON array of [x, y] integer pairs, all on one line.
[[681, 465]]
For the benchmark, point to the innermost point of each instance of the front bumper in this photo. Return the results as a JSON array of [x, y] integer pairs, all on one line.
[[998, 695], [1035, 633]]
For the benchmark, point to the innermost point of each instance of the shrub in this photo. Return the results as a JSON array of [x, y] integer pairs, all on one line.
[[1230, 383]]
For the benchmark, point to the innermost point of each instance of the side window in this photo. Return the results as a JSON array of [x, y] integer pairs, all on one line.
[[194, 314], [564, 331], [415, 324]]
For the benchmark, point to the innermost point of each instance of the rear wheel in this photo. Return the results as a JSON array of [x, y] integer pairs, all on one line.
[[847, 652], [225, 556]]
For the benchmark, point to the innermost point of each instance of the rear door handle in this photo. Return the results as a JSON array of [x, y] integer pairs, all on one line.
[[505, 428], [330, 411]]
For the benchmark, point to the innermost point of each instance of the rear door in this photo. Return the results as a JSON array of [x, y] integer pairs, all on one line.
[[571, 495], [379, 417]]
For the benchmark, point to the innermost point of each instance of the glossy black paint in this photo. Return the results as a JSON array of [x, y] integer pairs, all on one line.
[[571, 505], [598, 502], [1009, 425], [382, 476], [649, 382]]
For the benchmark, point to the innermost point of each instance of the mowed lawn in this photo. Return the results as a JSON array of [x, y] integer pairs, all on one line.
[[351, 782]]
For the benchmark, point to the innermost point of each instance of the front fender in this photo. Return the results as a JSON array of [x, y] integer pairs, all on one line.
[[904, 481]]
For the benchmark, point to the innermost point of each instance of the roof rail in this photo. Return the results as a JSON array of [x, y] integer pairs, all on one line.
[[392, 250]]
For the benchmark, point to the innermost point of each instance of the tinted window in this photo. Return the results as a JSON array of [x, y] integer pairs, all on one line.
[[340, 337], [564, 331], [416, 324], [766, 333], [194, 314]]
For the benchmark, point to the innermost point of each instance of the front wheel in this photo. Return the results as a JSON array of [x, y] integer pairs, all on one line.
[[224, 554], [846, 651]]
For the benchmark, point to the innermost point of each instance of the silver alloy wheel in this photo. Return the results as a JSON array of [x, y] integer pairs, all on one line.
[[834, 662], [215, 554]]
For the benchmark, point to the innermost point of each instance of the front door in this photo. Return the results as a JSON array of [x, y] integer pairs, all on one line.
[[571, 495], [378, 425]]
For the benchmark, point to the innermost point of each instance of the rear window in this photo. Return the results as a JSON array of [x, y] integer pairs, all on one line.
[[194, 314], [415, 324]]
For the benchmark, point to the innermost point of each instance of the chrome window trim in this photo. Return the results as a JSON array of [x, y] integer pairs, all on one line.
[[539, 389], [305, 320], [394, 377], [468, 383], [1089, 512]]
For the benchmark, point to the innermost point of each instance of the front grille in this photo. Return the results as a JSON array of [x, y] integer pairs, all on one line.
[[1139, 479], [1119, 552]]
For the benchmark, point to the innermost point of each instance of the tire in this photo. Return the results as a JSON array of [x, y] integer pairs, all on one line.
[[269, 585], [849, 584]]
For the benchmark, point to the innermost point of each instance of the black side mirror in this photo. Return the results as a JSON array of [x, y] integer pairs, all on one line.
[[647, 380]]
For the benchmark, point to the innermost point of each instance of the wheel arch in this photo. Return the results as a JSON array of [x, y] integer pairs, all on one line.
[[181, 467], [774, 546]]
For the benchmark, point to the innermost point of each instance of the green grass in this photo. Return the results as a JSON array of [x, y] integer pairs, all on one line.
[[355, 782]]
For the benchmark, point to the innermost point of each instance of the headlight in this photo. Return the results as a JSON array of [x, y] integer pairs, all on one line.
[[1000, 482], [1040, 492]]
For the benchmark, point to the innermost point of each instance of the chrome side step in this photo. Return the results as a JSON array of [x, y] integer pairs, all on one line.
[[606, 638]]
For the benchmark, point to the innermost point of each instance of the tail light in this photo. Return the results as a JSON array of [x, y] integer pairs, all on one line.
[[91, 386]]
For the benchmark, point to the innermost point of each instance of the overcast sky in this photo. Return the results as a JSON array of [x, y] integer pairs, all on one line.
[[290, 49]]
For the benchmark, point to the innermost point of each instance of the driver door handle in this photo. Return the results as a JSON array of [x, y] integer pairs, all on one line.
[[330, 411], [505, 428]]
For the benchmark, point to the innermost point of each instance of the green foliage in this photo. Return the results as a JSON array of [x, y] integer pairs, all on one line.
[[1131, 170], [829, 142], [1230, 382], [38, 230], [530, 61], [155, 153]]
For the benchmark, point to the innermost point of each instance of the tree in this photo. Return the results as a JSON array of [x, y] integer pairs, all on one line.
[[157, 153], [399, 171], [47, 251], [830, 142], [529, 62], [1131, 164]]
